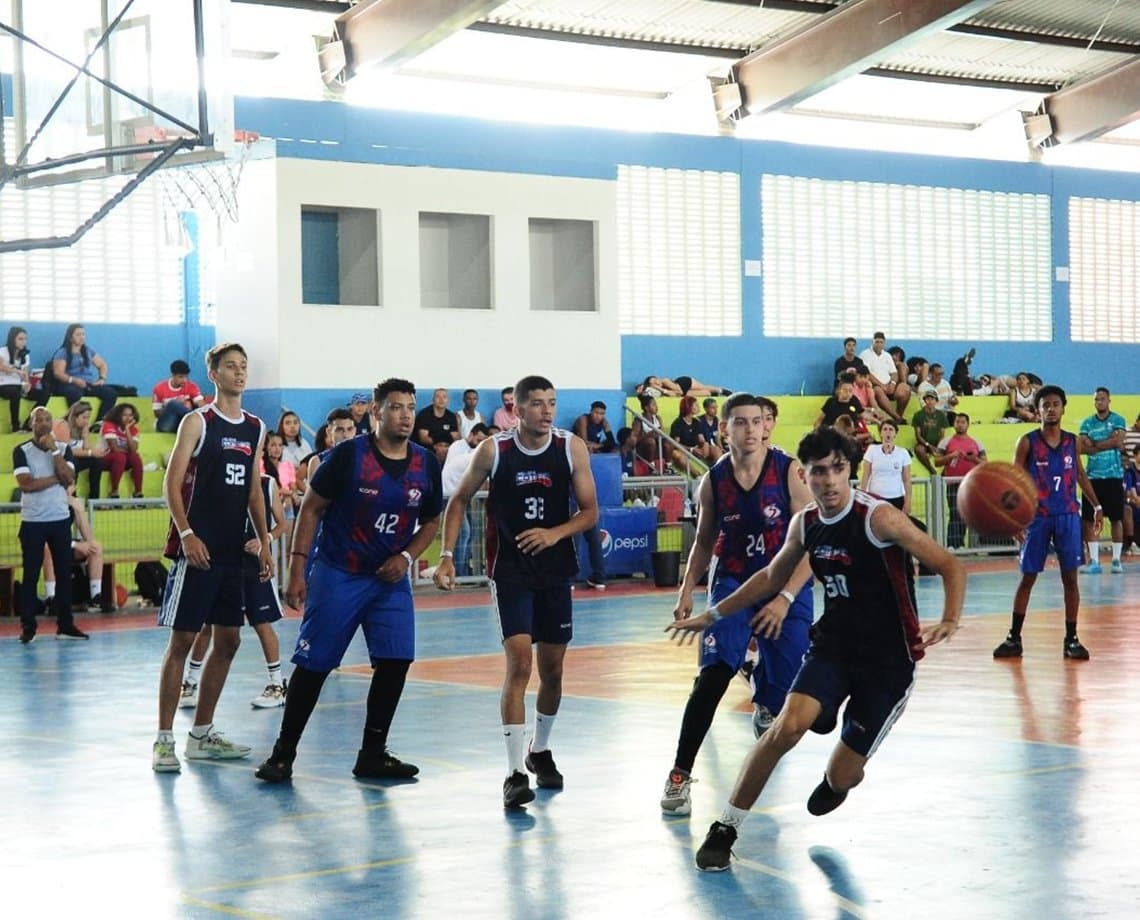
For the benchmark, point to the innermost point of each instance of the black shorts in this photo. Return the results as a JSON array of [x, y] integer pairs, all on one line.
[[262, 605], [1110, 494], [194, 597], [876, 695], [543, 613], [685, 383]]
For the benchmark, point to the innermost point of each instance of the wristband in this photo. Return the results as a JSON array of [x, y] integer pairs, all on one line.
[[1097, 508], [407, 557], [788, 596], [188, 532], [714, 612], [298, 553], [447, 554]]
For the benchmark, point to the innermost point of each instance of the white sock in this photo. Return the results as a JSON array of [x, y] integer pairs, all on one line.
[[165, 735], [96, 586], [542, 728], [274, 669], [193, 672], [1094, 551], [733, 816], [200, 731], [49, 588], [1117, 548], [515, 736]]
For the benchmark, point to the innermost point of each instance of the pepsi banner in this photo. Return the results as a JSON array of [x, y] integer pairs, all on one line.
[[629, 536]]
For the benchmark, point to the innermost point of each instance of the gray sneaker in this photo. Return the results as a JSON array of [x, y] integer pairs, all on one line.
[[212, 746], [675, 799], [163, 758], [188, 699]]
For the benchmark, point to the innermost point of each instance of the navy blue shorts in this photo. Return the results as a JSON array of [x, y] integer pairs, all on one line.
[[1063, 531], [195, 597], [769, 665], [338, 602], [262, 603], [542, 613], [876, 695]]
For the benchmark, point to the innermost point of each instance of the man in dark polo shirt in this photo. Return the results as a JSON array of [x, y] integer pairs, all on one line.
[[43, 471], [436, 426]]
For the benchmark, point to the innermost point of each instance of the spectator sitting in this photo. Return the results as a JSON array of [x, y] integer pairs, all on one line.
[[459, 457], [358, 405], [274, 464], [940, 387], [120, 433], [1023, 399], [862, 390], [930, 424], [436, 426], [86, 550], [469, 415], [504, 418], [79, 371], [594, 428], [848, 361], [174, 397], [844, 403], [87, 450], [917, 370], [891, 394], [296, 448], [899, 357], [627, 447], [647, 430], [710, 428], [686, 432], [992, 385], [679, 386], [15, 374]]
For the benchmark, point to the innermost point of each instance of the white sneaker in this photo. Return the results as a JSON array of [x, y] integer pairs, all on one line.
[[762, 720], [271, 697], [163, 758], [212, 746], [189, 697], [675, 799]]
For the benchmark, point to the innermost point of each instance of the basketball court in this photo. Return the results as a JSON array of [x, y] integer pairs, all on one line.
[[1004, 791]]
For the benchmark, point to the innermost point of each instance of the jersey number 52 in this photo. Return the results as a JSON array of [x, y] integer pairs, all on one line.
[[235, 474]]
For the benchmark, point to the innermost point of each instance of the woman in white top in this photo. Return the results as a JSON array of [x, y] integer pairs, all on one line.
[[15, 373], [886, 469], [1023, 400]]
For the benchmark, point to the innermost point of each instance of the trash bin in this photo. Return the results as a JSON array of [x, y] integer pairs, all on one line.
[[667, 568]]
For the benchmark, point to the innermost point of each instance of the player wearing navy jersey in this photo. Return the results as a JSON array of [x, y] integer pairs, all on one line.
[[864, 647], [744, 505], [377, 498], [212, 489], [534, 471], [1051, 455]]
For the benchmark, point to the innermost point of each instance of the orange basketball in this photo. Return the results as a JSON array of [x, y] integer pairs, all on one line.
[[121, 596], [997, 499]]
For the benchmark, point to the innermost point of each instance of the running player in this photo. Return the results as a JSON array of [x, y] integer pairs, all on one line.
[[1052, 458], [212, 489], [534, 470], [368, 495], [744, 505], [863, 648]]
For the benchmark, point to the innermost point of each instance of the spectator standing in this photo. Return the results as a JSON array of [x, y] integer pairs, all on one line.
[[594, 428], [505, 418], [79, 372], [15, 374], [296, 448], [1101, 439], [957, 455], [120, 433], [43, 472], [358, 404], [930, 424], [469, 416], [174, 397], [886, 469], [459, 456], [1132, 438], [437, 428], [891, 394]]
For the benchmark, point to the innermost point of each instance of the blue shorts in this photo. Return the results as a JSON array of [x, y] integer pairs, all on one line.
[[769, 665], [1063, 531], [262, 604], [194, 597], [545, 614], [876, 696], [338, 602]]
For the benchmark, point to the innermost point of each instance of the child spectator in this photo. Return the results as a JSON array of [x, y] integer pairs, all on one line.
[[120, 433]]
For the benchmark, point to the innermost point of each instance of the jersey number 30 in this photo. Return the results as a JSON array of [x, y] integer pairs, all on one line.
[[835, 586]]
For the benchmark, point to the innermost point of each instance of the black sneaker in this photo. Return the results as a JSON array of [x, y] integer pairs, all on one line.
[[382, 765], [716, 852], [71, 632], [541, 764], [1010, 648], [28, 634], [824, 799], [516, 790], [1074, 650], [278, 767]]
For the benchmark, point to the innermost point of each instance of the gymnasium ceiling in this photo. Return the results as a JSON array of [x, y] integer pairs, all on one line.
[[964, 78]]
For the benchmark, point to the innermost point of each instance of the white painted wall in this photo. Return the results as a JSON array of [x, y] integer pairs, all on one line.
[[341, 346]]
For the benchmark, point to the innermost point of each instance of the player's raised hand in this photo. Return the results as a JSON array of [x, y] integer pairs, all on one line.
[[686, 630], [444, 576]]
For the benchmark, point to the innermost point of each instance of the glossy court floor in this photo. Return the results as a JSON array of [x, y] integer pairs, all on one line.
[[1007, 790]]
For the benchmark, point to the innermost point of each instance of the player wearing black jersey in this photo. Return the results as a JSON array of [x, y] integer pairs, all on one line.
[[534, 472], [864, 647], [212, 490]]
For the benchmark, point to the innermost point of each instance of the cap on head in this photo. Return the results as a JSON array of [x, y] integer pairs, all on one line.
[[359, 398]]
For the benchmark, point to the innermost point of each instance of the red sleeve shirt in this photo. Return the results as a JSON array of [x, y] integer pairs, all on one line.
[[185, 394]]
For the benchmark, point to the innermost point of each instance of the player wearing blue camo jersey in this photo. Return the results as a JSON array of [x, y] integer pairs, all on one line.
[[377, 498], [1101, 438], [1052, 459]]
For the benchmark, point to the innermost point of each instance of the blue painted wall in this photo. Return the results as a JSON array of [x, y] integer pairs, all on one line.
[[776, 366]]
